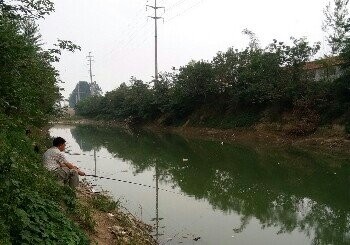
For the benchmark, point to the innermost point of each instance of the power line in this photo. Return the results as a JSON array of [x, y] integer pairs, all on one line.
[[122, 43], [128, 32], [178, 3], [185, 11]]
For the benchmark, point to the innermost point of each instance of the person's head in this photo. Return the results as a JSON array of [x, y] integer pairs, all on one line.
[[60, 143]]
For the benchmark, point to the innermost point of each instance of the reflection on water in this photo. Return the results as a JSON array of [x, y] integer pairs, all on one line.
[[273, 193]]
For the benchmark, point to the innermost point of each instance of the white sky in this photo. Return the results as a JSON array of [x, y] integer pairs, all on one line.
[[122, 40]]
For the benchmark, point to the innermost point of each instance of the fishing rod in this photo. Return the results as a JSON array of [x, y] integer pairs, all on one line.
[[133, 183]]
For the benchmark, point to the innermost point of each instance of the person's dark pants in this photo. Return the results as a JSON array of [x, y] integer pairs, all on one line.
[[68, 176]]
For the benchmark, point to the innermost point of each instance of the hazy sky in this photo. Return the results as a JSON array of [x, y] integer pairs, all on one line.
[[121, 38]]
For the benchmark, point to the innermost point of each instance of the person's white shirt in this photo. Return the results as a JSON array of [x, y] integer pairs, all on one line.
[[53, 157]]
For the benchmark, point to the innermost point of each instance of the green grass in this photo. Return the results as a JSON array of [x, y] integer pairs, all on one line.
[[104, 203], [82, 214]]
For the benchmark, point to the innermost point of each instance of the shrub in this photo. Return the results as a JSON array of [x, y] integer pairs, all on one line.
[[303, 120]]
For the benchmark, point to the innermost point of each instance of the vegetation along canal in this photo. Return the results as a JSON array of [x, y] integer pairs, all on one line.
[[217, 193]]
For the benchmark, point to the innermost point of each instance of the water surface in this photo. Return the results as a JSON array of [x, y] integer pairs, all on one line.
[[218, 193]]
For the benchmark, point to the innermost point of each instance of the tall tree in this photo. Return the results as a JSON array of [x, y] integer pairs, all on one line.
[[337, 25]]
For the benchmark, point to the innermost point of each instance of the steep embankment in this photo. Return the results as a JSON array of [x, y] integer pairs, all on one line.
[[35, 208]]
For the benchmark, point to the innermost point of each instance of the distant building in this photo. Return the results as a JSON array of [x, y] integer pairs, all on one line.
[[83, 90], [327, 69]]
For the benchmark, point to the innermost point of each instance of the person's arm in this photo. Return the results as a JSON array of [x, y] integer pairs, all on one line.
[[72, 166], [64, 163]]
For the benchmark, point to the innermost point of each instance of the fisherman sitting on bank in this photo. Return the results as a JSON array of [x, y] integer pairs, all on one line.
[[55, 162]]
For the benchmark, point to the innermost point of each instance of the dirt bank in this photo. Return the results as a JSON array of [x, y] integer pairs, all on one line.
[[331, 138], [112, 227]]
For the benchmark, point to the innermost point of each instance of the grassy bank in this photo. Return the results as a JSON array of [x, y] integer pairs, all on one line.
[[36, 209]]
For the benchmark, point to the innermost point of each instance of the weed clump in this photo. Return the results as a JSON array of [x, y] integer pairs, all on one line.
[[104, 203]]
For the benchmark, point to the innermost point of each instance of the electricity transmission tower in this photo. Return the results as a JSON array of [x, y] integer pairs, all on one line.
[[90, 60], [94, 88], [156, 18]]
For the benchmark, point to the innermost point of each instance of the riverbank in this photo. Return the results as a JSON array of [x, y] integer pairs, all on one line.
[[331, 138], [110, 224]]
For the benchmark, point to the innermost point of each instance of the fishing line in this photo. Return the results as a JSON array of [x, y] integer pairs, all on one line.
[[105, 174], [133, 183], [148, 186]]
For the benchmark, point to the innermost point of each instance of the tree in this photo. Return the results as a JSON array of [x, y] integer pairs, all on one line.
[[22, 9], [337, 25], [28, 80], [162, 91], [196, 82], [254, 43]]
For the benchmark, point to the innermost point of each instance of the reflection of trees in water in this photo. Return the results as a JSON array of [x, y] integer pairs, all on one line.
[[285, 189], [84, 141]]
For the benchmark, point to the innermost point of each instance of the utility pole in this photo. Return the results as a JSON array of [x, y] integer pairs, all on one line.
[[90, 60], [156, 18]]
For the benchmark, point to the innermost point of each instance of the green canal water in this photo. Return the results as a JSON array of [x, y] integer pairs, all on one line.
[[214, 193]]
